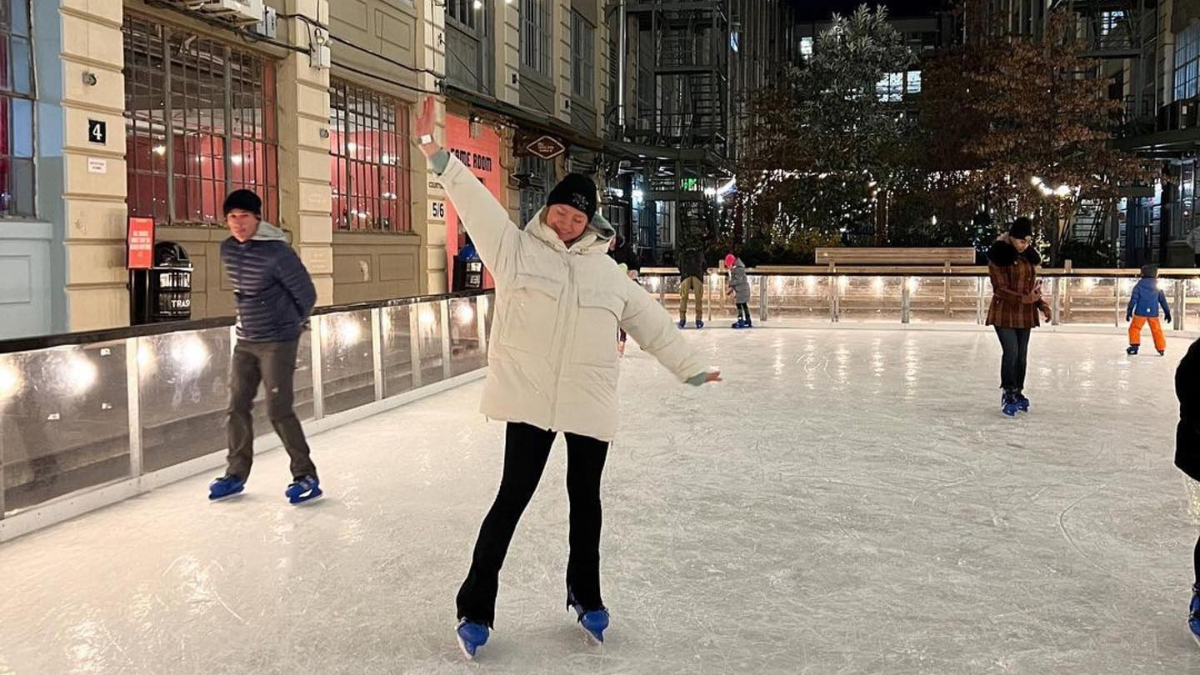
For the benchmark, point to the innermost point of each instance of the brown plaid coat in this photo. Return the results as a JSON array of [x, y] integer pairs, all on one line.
[[1016, 291]]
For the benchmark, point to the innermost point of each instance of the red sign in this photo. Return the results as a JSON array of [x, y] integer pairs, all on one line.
[[546, 147], [139, 243], [481, 155]]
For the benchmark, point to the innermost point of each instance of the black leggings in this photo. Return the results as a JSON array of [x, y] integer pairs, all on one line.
[[525, 453], [1015, 343], [743, 311], [1196, 562]]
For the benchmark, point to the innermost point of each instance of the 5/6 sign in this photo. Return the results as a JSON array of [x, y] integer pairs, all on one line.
[[437, 210]]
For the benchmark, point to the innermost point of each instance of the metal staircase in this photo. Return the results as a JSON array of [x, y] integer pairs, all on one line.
[[688, 100], [1090, 221]]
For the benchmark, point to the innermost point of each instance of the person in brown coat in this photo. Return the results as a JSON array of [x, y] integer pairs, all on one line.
[[1016, 300]]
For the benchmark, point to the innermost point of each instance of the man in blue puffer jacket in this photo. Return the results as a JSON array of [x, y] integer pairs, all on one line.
[[275, 296], [1143, 304]]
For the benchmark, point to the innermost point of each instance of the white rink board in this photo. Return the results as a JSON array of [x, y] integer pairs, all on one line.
[[849, 501]]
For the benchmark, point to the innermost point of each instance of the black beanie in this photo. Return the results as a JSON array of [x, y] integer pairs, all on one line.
[[1022, 228], [244, 200], [577, 191]]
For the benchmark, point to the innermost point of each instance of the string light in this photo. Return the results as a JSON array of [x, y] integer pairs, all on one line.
[[190, 353], [464, 313]]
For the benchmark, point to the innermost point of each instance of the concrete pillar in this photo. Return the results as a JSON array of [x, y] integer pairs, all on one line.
[[510, 160], [560, 20], [94, 182], [508, 53], [1165, 56], [601, 47], [305, 200], [432, 57]]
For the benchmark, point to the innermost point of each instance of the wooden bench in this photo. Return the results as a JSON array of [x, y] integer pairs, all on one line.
[[895, 256]]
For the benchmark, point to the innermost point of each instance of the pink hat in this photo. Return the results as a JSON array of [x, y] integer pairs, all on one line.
[[730, 260]]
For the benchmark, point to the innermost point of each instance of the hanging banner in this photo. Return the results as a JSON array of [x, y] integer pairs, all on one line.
[[139, 242]]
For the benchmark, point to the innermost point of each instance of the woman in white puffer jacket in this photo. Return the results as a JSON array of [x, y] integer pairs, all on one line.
[[552, 368]]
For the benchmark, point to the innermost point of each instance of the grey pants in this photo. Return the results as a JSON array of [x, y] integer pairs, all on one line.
[[1015, 343], [273, 364]]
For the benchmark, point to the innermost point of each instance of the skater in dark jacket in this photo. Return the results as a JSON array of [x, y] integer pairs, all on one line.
[[1187, 458], [1016, 301], [625, 256], [691, 272], [627, 259], [275, 296], [1143, 308]]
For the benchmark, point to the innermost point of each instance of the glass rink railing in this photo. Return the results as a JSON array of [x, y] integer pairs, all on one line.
[[959, 295], [82, 411]]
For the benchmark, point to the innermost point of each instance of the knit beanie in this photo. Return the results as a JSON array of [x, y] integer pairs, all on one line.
[[577, 191], [244, 200], [1022, 228]]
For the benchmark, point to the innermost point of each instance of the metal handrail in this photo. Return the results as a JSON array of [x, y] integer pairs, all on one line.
[[146, 330], [99, 411], [928, 270]]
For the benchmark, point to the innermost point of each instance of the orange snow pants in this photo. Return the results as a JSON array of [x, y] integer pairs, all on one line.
[[1135, 332]]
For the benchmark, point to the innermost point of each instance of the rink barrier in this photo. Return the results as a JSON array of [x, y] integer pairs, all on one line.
[[90, 419], [955, 296]]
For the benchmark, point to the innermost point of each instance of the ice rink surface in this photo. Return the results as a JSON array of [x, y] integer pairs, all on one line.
[[846, 502]]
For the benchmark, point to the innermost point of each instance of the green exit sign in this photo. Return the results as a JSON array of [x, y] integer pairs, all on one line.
[[691, 184]]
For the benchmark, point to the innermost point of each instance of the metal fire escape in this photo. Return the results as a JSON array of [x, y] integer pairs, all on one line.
[[675, 132], [1122, 35], [684, 47]]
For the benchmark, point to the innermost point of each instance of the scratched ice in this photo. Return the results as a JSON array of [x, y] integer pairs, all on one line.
[[847, 502]]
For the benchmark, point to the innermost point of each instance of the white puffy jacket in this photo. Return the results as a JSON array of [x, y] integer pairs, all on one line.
[[553, 350]]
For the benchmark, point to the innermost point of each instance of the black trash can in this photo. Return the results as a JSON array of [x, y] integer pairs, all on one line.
[[468, 270], [170, 283], [163, 292]]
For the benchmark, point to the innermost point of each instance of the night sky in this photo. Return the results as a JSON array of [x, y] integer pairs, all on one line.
[[822, 9]]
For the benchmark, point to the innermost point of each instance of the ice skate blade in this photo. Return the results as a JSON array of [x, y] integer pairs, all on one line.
[[227, 497], [462, 646], [303, 499], [592, 640]]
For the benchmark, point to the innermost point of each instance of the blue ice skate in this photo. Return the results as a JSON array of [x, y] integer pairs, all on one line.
[[739, 324], [699, 324], [471, 636], [225, 486], [682, 324], [1194, 614], [304, 490], [1132, 350], [1010, 405], [593, 622], [1022, 402]]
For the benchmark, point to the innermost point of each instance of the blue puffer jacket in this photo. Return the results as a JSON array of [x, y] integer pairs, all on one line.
[[1146, 299], [275, 295]]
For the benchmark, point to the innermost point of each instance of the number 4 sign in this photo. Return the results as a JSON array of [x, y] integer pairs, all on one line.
[[98, 131]]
